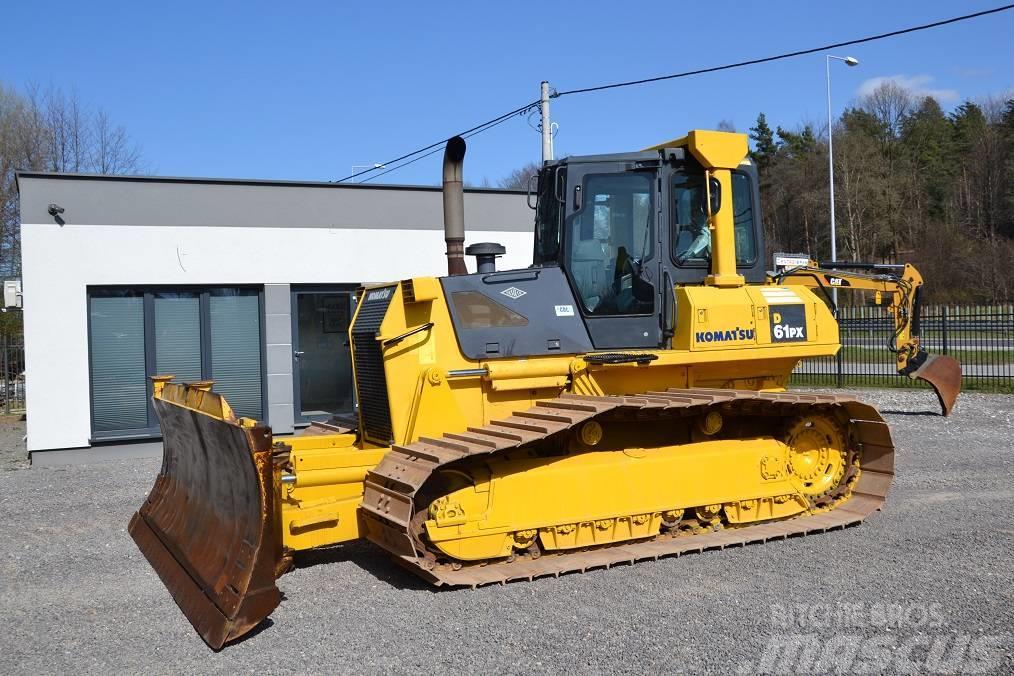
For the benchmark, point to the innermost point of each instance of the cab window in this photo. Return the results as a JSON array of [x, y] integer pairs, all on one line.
[[691, 235], [547, 217], [692, 240], [743, 219], [608, 241]]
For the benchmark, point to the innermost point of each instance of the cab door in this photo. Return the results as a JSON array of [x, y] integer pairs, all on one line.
[[610, 251]]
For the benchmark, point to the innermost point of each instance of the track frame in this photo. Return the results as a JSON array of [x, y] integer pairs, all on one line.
[[389, 508]]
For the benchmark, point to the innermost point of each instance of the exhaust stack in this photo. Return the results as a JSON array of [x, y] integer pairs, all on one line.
[[454, 206]]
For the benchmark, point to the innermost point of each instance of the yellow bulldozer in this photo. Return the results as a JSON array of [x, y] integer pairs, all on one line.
[[624, 398]]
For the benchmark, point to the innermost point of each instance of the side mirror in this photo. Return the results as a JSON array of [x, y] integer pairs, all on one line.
[[715, 194], [533, 182]]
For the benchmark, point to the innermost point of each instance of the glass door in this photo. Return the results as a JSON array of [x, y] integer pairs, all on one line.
[[322, 360]]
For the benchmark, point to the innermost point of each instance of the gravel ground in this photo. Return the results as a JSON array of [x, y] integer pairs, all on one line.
[[934, 567], [13, 454]]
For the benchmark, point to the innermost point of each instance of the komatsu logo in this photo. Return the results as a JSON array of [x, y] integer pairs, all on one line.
[[724, 336], [379, 294]]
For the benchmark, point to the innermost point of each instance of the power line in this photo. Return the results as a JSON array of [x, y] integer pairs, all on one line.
[[789, 55], [433, 148], [440, 146], [468, 132]]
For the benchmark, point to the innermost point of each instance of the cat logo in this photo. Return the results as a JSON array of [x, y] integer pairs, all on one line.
[[788, 323], [836, 281]]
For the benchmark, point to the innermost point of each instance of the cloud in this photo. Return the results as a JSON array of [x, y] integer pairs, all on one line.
[[917, 84], [970, 73]]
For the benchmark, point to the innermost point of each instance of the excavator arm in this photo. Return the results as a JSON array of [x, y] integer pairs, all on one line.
[[897, 289]]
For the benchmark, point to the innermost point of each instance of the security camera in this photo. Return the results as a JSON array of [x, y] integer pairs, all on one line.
[[55, 209]]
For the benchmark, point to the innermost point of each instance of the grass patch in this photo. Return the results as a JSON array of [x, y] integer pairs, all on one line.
[[968, 384], [877, 355]]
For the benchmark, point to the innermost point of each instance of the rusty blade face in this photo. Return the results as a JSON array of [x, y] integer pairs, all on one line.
[[209, 526], [943, 373]]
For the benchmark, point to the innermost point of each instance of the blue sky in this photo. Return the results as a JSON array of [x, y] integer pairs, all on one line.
[[306, 90]]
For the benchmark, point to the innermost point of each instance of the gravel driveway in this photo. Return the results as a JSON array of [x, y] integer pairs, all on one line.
[[926, 580], [13, 454]]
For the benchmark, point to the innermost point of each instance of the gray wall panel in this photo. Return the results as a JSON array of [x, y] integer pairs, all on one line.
[[276, 299], [279, 359], [282, 418], [278, 356], [280, 389], [108, 200], [278, 327]]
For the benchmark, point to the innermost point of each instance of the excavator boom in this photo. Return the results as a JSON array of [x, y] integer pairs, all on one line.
[[896, 288]]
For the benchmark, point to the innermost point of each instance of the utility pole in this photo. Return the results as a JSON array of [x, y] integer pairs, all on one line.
[[848, 61], [830, 164], [547, 130]]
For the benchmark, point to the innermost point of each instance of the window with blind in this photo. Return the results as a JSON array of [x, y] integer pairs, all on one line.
[[192, 333], [178, 334], [236, 348], [119, 381]]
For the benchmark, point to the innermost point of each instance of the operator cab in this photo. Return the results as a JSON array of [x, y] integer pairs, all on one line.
[[626, 228]]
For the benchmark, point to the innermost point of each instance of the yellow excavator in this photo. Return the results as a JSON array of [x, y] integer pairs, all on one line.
[[624, 398]]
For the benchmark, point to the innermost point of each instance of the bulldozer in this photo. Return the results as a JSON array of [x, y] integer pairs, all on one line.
[[624, 398]]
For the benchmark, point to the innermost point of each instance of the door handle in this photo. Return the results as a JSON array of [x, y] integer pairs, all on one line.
[[298, 353]]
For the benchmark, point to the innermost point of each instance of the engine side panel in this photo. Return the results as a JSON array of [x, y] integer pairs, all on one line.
[[539, 316]]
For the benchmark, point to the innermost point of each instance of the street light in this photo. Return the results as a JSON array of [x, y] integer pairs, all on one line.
[[849, 61], [365, 166]]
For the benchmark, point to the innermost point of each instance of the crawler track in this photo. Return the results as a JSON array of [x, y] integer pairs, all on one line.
[[389, 500]]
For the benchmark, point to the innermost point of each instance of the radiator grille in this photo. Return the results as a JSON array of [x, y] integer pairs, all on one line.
[[371, 386]]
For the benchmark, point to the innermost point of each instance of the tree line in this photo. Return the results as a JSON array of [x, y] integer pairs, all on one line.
[[49, 130], [913, 183]]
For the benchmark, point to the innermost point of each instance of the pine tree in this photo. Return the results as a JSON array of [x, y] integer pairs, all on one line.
[[968, 122], [798, 143], [764, 146], [929, 145]]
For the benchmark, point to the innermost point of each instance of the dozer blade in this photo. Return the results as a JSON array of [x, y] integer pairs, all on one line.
[[943, 373], [209, 527]]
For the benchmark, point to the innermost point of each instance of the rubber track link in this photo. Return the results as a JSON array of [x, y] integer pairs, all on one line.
[[389, 499]]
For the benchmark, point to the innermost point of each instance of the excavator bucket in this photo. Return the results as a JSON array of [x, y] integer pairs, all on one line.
[[209, 527], [943, 373]]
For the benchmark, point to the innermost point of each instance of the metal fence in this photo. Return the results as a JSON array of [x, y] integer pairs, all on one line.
[[12, 373], [980, 337]]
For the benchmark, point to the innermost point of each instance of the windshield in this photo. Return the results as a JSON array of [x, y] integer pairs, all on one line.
[[608, 240]]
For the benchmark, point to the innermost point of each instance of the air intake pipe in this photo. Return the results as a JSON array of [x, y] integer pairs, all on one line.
[[454, 206]]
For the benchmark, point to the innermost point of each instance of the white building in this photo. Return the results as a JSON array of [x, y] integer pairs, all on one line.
[[248, 283]]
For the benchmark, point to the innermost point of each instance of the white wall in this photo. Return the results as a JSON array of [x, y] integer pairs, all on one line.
[[60, 262]]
